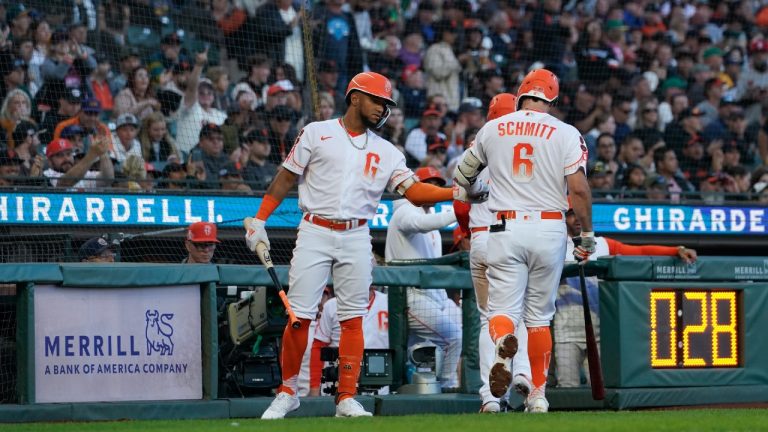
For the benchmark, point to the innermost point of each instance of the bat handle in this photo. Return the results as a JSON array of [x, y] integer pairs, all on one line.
[[295, 323]]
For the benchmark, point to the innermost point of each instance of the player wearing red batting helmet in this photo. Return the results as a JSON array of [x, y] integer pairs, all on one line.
[[540, 84], [502, 103]]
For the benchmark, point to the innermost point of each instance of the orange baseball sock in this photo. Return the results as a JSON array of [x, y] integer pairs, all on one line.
[[294, 344], [540, 353], [499, 326], [351, 346]]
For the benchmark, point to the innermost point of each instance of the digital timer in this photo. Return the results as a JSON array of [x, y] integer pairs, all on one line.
[[695, 328]]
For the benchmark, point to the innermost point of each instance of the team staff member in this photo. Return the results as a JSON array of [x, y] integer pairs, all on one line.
[[570, 338], [200, 243], [328, 333], [342, 169], [413, 233], [532, 158], [476, 219]]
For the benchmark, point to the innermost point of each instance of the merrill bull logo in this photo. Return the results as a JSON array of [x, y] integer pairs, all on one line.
[[158, 332]]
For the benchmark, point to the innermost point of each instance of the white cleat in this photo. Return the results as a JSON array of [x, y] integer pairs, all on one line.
[[501, 372], [522, 385], [537, 402], [492, 407], [282, 405], [349, 407]]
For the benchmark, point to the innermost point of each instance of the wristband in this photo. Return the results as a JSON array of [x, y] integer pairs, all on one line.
[[587, 234], [268, 205]]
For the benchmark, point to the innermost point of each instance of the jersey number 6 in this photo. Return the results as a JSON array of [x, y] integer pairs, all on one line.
[[522, 162]]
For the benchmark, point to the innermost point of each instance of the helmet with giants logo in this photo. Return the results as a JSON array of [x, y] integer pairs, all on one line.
[[373, 84], [501, 104], [540, 84]]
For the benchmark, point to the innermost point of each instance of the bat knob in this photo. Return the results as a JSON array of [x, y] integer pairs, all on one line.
[[296, 325]]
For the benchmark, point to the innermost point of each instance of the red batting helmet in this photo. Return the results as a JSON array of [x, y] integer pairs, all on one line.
[[541, 84], [373, 84], [502, 103], [430, 173]]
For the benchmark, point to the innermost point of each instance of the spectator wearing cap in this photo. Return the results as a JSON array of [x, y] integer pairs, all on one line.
[[129, 60], [16, 107], [277, 95], [75, 134], [197, 107], [177, 84], [696, 164], [739, 135], [274, 23], [200, 243], [441, 65], [168, 56], [686, 128], [27, 148], [416, 142], [714, 187], [413, 92], [231, 178], [157, 144], [66, 60], [138, 96], [328, 82], [752, 86], [257, 79], [19, 21], [656, 188], [259, 171], [667, 166], [88, 119], [734, 64], [68, 104], [10, 168], [63, 172], [281, 133], [174, 176], [601, 180], [14, 74], [211, 153], [98, 85], [713, 93], [96, 250], [124, 138], [424, 23], [436, 153], [335, 38]]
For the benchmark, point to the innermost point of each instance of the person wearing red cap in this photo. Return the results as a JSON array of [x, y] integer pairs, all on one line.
[[342, 168], [416, 142], [752, 85], [64, 172], [200, 243], [414, 233]]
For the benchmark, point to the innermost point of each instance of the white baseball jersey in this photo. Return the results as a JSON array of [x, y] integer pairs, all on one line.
[[413, 232], [375, 323], [528, 154], [338, 180]]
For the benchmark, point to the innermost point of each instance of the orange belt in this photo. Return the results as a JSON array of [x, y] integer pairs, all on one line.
[[512, 214], [478, 229], [335, 225]]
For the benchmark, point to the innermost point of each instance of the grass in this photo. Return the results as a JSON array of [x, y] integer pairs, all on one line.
[[673, 420]]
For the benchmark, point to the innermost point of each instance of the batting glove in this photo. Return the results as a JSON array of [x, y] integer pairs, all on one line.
[[257, 233], [477, 193], [584, 246]]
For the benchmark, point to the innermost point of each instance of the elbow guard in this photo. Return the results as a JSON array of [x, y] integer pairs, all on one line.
[[467, 171], [405, 185]]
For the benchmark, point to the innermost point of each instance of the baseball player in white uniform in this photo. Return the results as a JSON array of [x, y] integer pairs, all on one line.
[[477, 220], [413, 233], [342, 169], [328, 333], [533, 160]]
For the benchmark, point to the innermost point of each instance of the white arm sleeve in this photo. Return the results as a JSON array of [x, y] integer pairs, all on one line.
[[416, 221]]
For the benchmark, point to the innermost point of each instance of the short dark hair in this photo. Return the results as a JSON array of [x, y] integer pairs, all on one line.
[[659, 153]]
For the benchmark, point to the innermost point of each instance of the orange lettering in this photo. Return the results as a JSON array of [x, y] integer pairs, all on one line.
[[501, 129], [519, 128], [529, 128], [371, 164], [383, 320], [551, 130]]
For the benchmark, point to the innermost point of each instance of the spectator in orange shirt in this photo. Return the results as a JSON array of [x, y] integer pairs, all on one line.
[[88, 119]]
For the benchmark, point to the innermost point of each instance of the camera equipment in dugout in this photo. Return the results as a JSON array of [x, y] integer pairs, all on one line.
[[249, 368], [375, 373]]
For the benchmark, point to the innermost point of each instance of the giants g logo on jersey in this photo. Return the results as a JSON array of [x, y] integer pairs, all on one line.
[[371, 165]]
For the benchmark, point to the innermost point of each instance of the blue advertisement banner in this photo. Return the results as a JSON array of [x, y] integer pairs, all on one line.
[[180, 210]]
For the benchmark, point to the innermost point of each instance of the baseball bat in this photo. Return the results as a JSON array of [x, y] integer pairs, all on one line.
[[593, 354], [266, 260], [168, 231]]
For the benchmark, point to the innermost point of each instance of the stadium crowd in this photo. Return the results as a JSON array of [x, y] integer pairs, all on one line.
[[670, 96]]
